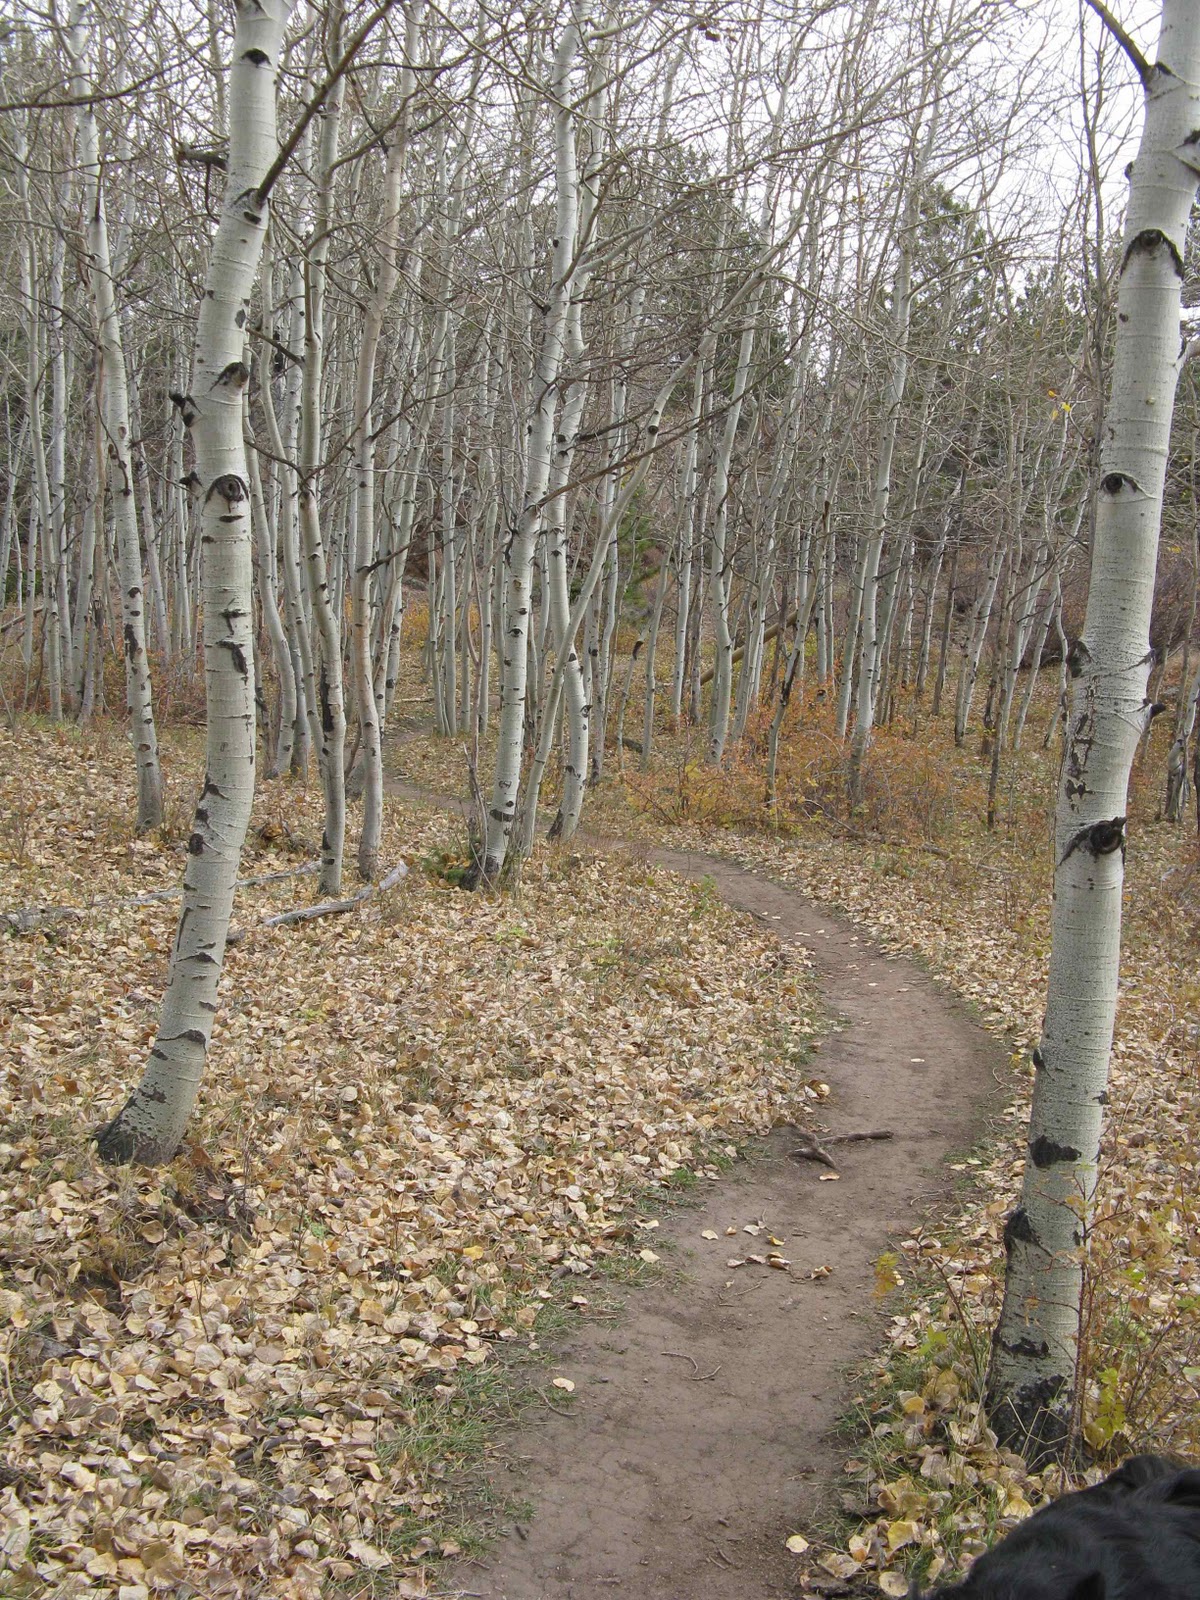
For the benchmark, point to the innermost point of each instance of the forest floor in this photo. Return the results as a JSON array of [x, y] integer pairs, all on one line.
[[924, 1487], [654, 1490], [433, 1134], [440, 1136]]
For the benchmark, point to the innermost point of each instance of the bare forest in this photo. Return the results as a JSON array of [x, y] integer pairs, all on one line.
[[569, 578]]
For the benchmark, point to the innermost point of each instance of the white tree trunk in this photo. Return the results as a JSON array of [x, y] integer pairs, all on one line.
[[114, 412], [150, 1125], [518, 558], [329, 727], [1032, 1379], [366, 542]]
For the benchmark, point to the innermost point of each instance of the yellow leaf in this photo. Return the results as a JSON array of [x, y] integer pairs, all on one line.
[[901, 1533], [565, 1384], [893, 1583], [473, 1252], [647, 1255], [1015, 1503], [797, 1544]]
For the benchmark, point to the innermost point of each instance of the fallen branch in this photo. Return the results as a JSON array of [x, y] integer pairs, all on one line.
[[337, 908], [813, 1150], [28, 918]]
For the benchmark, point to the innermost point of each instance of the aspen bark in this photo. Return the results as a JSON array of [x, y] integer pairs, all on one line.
[[150, 1125], [113, 401], [365, 538], [523, 538], [1032, 1380]]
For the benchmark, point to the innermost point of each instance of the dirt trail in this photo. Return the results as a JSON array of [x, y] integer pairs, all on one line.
[[699, 1432]]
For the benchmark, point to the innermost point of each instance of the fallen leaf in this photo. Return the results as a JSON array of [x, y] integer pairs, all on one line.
[[796, 1543], [368, 1555]]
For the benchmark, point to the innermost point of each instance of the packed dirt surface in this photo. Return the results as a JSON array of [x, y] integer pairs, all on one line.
[[699, 1432]]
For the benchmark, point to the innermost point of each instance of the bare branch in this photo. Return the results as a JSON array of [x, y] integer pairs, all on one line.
[[1140, 65]]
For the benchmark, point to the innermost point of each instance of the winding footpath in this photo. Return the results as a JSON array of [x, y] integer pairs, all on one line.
[[699, 1435]]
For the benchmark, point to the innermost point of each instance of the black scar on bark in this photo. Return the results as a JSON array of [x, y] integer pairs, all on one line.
[[187, 407], [1077, 658], [1147, 242], [195, 845], [1018, 1230], [235, 376], [1045, 1153], [1039, 1059], [211, 788], [1114, 482], [1101, 839], [230, 488], [256, 58], [239, 320], [130, 642], [193, 1036], [237, 655], [1038, 1349]]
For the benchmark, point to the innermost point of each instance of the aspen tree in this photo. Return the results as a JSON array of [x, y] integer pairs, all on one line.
[[152, 1121], [519, 549], [118, 436], [1032, 1379], [365, 534]]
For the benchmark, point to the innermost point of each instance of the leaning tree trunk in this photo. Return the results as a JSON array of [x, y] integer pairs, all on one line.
[[1032, 1381], [150, 1125]]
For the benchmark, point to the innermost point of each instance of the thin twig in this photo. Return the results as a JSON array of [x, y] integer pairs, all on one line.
[[679, 1355]]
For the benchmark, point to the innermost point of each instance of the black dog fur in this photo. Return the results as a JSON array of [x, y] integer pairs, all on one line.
[[1136, 1536]]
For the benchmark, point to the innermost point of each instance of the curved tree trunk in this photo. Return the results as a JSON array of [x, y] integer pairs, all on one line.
[[1031, 1390], [150, 1125]]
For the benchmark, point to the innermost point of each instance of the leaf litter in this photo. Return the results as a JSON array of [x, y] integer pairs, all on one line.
[[241, 1372]]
